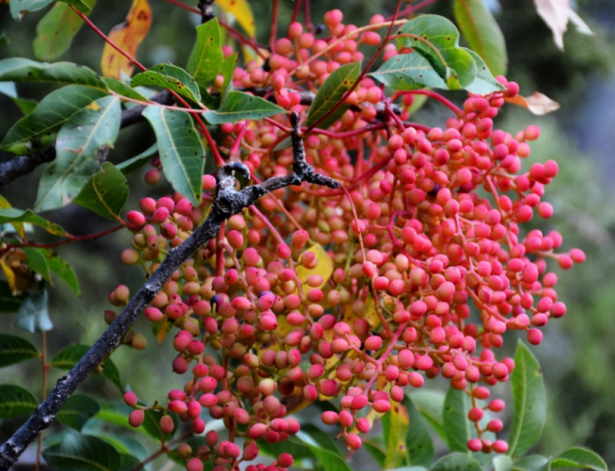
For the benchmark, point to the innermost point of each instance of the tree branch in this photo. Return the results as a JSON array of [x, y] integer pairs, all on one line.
[[228, 201], [24, 164]]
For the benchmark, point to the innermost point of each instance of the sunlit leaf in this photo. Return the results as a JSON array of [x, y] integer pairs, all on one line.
[[323, 268], [122, 88], [409, 72], [578, 457], [206, 57], [484, 82], [171, 77], [16, 401], [105, 193], [240, 105], [127, 35], [15, 349], [242, 12]]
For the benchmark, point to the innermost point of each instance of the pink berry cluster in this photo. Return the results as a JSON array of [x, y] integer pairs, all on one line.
[[415, 270]]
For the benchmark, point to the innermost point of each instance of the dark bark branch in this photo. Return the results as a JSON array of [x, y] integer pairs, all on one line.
[[207, 10], [24, 164], [228, 201]]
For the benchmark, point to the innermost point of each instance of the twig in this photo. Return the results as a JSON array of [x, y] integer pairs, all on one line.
[[228, 201]]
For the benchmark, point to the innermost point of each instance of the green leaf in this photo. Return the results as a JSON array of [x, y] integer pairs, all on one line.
[[151, 425], [431, 404], [437, 39], [128, 462], [578, 457], [4, 40], [455, 420], [11, 215], [56, 30], [16, 401], [82, 453], [394, 430], [181, 150], [484, 82], [213, 101], [32, 315], [502, 463], [117, 414], [331, 93], [44, 262], [206, 57], [68, 357], [482, 33], [376, 451], [20, 7], [138, 161], [122, 88], [37, 129], [14, 349], [19, 69], [419, 445], [123, 445], [409, 72], [240, 105], [530, 402], [105, 193], [171, 77], [323, 448], [80, 141], [455, 462], [532, 463], [8, 302], [83, 6], [77, 411]]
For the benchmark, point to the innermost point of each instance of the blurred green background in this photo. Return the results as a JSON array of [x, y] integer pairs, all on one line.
[[578, 354]]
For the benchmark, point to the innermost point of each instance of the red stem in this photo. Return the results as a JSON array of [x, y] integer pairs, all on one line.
[[69, 239], [436, 96], [274, 24], [413, 8], [293, 18]]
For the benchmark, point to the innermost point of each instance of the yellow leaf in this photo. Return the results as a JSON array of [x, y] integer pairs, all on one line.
[[397, 427], [536, 103], [10, 275], [242, 12], [127, 35], [370, 314], [324, 268]]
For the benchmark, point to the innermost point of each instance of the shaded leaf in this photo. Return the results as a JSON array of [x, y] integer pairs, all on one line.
[[32, 315], [530, 401], [105, 193], [14, 215], [419, 445], [20, 7], [409, 72], [578, 457], [484, 82], [123, 89], [79, 143], [181, 150], [240, 105], [323, 448], [38, 129], [242, 12], [331, 93], [14, 349], [482, 33], [56, 30], [44, 262], [455, 420], [79, 452], [8, 302], [127, 35], [4, 40], [68, 357], [171, 77], [536, 103], [77, 410], [19, 69], [117, 414], [151, 425], [206, 57], [532, 463], [376, 451], [431, 404], [455, 462], [138, 161], [16, 401]]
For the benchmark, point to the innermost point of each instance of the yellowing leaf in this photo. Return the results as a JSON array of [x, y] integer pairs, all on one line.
[[10, 275], [127, 35], [324, 268], [395, 427], [4, 204], [19, 277], [370, 313], [536, 103], [242, 12]]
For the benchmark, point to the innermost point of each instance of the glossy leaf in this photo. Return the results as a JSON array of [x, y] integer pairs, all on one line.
[[502, 463], [83, 453], [431, 404], [44, 262], [18, 69], [15, 349], [123, 445], [56, 30], [171, 77], [455, 462], [69, 356], [578, 457], [394, 430], [32, 315], [242, 12], [331, 93], [8, 302], [376, 451], [532, 463], [77, 410], [323, 447], [127, 35], [482, 33], [138, 161], [14, 215], [123, 89], [456, 425], [105, 193], [409, 72], [240, 105], [419, 445], [16, 401], [206, 57], [80, 141], [484, 82], [38, 128], [181, 150], [530, 402], [20, 7]]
